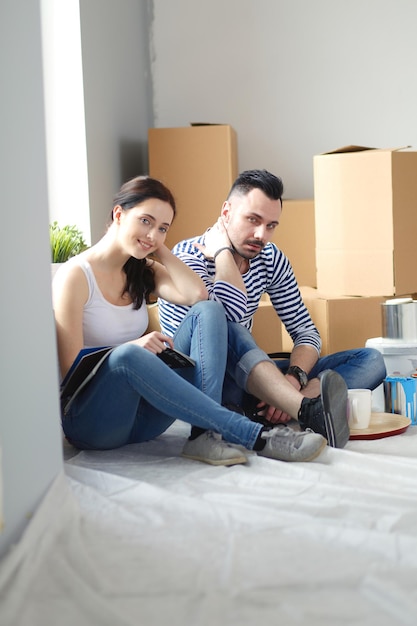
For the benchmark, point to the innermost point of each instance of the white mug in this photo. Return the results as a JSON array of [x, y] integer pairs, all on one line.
[[360, 408]]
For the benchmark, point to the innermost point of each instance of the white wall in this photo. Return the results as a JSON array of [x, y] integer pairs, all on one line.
[[30, 434], [64, 115], [293, 77]]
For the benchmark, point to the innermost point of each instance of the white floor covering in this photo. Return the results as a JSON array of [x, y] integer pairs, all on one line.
[[140, 536]]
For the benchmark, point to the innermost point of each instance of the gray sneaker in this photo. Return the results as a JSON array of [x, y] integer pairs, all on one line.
[[211, 448], [285, 444]]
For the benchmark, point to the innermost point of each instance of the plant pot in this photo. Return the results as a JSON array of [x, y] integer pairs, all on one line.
[[54, 267]]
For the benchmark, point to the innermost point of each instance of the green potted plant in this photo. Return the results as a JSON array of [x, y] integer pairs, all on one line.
[[66, 242]]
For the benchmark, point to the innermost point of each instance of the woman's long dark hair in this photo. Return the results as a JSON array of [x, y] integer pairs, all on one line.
[[140, 278]]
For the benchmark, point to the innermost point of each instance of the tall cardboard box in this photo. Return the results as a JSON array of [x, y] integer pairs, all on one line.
[[344, 322], [267, 327], [295, 236], [198, 164], [366, 221]]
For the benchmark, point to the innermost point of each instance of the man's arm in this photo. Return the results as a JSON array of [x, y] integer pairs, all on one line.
[[305, 358], [286, 299], [220, 274], [218, 248], [226, 269]]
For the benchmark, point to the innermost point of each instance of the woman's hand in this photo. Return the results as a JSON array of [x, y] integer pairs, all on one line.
[[155, 342], [163, 253]]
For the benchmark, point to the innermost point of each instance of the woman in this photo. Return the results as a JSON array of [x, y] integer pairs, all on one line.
[[100, 300]]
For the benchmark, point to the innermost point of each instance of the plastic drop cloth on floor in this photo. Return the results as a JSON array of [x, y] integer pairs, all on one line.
[[141, 536]]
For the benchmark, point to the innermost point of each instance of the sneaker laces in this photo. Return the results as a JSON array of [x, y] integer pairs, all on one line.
[[284, 430]]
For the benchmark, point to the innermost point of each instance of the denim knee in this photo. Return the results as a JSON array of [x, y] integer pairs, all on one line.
[[209, 307], [376, 364]]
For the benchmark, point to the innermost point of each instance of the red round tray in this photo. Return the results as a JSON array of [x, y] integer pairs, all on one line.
[[382, 425]]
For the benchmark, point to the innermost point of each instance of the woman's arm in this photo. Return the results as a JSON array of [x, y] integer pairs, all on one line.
[[69, 292], [175, 281]]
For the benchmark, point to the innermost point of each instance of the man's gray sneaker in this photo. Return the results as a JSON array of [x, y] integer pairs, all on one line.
[[285, 444], [211, 448], [327, 414]]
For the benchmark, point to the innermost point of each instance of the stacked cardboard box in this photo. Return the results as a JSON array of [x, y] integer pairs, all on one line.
[[267, 328], [344, 322], [296, 237], [366, 221], [199, 164]]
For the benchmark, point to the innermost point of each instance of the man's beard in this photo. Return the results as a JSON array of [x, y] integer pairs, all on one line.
[[251, 242]]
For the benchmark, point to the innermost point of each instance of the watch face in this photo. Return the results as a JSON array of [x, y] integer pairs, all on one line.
[[300, 374], [303, 379]]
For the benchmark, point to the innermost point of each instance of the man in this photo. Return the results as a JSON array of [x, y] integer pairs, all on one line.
[[238, 264]]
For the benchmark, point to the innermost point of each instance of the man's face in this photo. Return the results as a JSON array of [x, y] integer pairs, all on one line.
[[250, 221]]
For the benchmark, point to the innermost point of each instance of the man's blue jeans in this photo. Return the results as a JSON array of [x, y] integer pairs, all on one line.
[[360, 368]]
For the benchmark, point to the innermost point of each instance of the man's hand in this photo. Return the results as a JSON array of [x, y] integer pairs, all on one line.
[[214, 239], [272, 414]]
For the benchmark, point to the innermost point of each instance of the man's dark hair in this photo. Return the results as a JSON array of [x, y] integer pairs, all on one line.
[[270, 184]]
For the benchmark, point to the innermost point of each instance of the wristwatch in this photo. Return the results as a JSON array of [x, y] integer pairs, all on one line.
[[299, 374]]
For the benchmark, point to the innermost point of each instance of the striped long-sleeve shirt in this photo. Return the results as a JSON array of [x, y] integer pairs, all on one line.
[[269, 272]]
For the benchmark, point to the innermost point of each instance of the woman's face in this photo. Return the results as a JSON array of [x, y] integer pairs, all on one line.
[[143, 228]]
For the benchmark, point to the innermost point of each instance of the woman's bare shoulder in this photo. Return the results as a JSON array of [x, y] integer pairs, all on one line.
[[69, 273]]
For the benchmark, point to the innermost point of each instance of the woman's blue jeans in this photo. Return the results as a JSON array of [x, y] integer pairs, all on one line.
[[135, 397]]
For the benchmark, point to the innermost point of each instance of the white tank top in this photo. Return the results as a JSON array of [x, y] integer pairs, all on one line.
[[106, 324]]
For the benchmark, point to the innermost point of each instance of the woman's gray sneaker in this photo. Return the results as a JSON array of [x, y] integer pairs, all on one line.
[[328, 414], [285, 444]]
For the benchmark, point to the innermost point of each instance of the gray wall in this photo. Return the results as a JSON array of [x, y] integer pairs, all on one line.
[[293, 77], [30, 436], [118, 112], [118, 98]]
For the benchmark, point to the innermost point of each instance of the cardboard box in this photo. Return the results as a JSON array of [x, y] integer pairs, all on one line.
[[267, 327], [153, 314], [366, 221], [295, 236], [344, 322], [198, 164]]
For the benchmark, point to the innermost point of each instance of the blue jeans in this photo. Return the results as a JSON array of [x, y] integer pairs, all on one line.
[[202, 335], [134, 397], [360, 368], [216, 343]]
